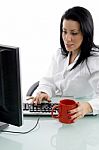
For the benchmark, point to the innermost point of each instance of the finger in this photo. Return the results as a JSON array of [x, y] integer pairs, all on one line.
[[35, 100], [45, 98], [76, 110], [29, 100], [73, 111], [40, 99], [30, 97], [77, 115], [48, 98]]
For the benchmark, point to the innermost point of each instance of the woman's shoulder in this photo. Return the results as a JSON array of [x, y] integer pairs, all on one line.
[[93, 60], [95, 51], [58, 54], [94, 54]]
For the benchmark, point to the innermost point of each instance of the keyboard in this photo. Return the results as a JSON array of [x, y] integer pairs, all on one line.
[[43, 109], [39, 109]]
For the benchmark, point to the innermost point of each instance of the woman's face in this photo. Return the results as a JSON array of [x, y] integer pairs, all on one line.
[[72, 35]]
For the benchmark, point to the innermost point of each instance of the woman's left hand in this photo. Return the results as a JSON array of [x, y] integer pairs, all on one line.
[[79, 112]]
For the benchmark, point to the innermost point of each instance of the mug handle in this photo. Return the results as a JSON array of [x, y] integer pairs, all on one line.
[[52, 112]]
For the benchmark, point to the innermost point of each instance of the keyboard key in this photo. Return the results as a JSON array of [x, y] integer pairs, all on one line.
[[40, 109]]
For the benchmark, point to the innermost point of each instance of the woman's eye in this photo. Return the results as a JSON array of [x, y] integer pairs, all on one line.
[[74, 33], [64, 32]]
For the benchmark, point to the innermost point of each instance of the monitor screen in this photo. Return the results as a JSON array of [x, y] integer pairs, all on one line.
[[10, 87]]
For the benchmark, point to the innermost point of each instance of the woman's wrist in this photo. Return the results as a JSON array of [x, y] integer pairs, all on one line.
[[88, 108]]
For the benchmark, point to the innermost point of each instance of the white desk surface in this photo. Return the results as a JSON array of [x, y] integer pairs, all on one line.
[[50, 134]]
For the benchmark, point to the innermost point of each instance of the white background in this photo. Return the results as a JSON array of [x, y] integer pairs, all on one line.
[[33, 25]]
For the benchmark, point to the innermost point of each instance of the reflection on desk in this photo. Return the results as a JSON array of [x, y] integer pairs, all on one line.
[[9, 144], [83, 135]]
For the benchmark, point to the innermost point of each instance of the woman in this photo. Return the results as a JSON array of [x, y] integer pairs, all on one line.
[[74, 70]]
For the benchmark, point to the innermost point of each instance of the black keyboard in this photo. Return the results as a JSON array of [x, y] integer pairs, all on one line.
[[39, 109]]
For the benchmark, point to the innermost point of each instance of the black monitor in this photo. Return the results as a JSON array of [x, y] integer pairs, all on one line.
[[10, 87]]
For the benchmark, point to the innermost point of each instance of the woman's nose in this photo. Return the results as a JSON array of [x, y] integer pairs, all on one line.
[[68, 37]]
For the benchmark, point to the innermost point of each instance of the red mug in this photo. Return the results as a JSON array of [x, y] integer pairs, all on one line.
[[63, 108]]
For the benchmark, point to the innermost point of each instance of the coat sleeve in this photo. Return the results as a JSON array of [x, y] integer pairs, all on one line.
[[94, 82], [46, 83]]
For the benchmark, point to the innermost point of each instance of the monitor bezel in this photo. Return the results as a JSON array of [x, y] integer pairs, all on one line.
[[4, 123]]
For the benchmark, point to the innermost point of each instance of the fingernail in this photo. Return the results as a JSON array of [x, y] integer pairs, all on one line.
[[68, 112]]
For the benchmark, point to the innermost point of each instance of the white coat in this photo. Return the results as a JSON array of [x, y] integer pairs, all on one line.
[[81, 82]]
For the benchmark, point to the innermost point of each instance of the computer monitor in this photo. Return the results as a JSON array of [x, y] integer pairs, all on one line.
[[10, 87]]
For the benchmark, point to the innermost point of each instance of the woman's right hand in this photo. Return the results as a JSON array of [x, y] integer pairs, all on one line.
[[41, 96]]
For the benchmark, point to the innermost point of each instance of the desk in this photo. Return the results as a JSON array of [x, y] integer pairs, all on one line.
[[50, 134]]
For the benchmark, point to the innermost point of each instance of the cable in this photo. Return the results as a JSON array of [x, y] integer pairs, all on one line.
[[25, 131]]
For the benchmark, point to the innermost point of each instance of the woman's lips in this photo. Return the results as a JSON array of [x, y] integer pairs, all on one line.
[[69, 45]]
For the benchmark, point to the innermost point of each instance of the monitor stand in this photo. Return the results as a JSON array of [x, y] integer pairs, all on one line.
[[3, 125]]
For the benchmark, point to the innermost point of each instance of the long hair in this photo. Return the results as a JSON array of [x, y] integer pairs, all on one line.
[[84, 18]]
